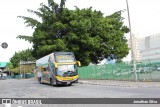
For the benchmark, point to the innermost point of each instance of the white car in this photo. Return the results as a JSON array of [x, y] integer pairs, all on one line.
[[158, 68]]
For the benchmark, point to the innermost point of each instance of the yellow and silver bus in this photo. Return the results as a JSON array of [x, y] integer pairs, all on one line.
[[58, 68]]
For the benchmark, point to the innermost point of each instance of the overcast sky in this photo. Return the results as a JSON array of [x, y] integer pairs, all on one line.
[[145, 18]]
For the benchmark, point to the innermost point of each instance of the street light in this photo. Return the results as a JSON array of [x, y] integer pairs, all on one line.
[[131, 38]]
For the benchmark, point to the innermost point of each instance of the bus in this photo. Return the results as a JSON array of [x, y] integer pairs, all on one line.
[[58, 68]]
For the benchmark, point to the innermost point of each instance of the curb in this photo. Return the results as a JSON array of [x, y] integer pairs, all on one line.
[[120, 85]]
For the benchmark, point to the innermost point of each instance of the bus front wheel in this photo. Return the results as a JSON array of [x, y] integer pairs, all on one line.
[[52, 82], [70, 84]]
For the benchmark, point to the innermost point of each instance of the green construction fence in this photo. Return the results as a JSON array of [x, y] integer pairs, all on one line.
[[121, 71]]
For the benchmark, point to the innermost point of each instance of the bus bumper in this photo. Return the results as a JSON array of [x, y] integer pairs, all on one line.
[[68, 82]]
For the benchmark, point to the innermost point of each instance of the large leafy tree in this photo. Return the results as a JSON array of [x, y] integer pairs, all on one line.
[[24, 55], [89, 34]]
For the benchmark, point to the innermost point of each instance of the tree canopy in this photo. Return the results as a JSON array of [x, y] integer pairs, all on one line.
[[87, 33], [24, 55]]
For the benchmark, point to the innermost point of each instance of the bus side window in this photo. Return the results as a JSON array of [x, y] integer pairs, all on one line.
[[47, 68], [75, 68], [55, 71], [44, 69]]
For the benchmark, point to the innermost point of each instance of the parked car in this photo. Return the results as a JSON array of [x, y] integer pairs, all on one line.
[[146, 70], [158, 68]]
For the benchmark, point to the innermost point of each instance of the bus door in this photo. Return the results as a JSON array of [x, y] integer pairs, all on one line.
[[48, 75], [44, 74], [51, 68]]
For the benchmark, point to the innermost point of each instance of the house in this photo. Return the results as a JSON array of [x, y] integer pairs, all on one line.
[[3, 68]]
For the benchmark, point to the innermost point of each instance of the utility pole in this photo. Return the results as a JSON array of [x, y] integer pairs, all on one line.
[[132, 47], [20, 68]]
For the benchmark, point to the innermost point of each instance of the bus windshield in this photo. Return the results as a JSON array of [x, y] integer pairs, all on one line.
[[64, 58], [66, 70]]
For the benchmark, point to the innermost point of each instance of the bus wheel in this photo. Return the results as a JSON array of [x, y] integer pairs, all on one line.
[[52, 82], [70, 84], [76, 81]]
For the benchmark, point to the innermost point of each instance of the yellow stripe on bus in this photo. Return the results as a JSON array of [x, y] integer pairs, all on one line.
[[66, 78], [66, 63]]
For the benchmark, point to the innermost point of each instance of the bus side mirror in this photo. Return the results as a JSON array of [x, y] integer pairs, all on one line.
[[78, 63]]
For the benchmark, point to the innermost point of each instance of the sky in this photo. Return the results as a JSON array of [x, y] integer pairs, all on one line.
[[144, 16]]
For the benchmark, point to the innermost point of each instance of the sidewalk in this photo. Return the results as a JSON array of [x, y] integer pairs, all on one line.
[[120, 83]]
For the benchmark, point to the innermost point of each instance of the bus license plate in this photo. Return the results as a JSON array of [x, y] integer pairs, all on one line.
[[68, 83]]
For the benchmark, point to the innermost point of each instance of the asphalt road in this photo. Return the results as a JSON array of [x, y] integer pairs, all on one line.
[[30, 88]]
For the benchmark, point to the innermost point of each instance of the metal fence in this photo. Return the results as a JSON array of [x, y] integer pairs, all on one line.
[[21, 76], [121, 71]]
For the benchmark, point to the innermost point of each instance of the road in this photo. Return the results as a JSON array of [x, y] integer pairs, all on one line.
[[30, 88]]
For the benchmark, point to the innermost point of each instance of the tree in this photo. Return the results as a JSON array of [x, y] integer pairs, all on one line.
[[9, 65], [24, 55], [86, 33]]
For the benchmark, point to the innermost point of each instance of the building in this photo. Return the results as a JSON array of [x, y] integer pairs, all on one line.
[[150, 48], [135, 46], [3, 69], [3, 66]]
